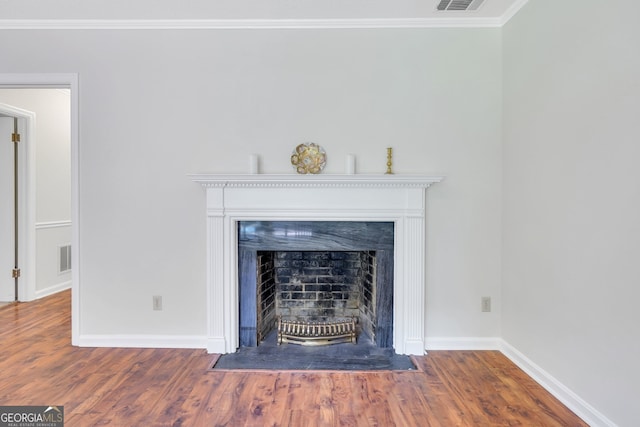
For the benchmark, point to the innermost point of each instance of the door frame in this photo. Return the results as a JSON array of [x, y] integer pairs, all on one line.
[[66, 81], [26, 200]]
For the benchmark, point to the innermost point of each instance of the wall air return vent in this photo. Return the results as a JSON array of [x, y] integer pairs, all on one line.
[[64, 259], [459, 4]]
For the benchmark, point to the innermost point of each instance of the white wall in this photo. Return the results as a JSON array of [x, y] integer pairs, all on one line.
[[572, 197], [157, 105], [53, 179]]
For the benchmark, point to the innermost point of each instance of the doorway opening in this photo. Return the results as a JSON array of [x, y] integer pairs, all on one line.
[[15, 185], [37, 229]]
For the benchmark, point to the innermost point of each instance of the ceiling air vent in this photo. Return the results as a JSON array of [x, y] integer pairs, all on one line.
[[459, 4]]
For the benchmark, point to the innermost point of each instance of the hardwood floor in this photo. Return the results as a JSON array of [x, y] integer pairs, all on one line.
[[172, 387]]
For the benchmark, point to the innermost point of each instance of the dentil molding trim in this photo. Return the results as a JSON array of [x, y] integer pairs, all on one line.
[[315, 181]]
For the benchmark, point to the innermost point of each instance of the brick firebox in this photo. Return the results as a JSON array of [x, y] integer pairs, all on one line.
[[316, 286]]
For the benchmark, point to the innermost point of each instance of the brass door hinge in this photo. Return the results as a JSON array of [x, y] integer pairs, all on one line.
[[15, 273], [15, 137]]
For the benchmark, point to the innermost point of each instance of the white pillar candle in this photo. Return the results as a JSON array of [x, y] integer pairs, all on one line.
[[351, 164], [254, 161]]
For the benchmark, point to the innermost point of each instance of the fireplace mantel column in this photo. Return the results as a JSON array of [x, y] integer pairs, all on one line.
[[413, 294], [219, 305]]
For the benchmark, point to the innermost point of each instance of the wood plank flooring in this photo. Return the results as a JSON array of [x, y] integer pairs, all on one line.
[[172, 387]]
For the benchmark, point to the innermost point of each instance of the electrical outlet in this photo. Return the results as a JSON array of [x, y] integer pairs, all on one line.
[[157, 302], [486, 304]]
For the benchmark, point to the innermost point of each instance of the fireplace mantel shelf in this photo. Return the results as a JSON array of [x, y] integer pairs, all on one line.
[[315, 181]]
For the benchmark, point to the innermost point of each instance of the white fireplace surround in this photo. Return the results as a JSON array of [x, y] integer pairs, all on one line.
[[397, 198]]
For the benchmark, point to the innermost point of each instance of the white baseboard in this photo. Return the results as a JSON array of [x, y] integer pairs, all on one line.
[[413, 346], [58, 287], [143, 341], [570, 399], [216, 345], [462, 343]]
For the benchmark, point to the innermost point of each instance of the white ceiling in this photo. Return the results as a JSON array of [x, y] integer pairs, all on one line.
[[248, 13]]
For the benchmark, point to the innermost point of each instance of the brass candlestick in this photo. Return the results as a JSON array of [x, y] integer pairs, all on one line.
[[389, 161]]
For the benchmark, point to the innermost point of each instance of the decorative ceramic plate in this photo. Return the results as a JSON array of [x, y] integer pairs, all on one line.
[[308, 158]]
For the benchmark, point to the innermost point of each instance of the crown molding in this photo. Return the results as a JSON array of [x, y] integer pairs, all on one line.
[[511, 12], [436, 20], [247, 24]]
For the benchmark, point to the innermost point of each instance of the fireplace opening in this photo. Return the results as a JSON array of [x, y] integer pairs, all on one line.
[[317, 288], [317, 272]]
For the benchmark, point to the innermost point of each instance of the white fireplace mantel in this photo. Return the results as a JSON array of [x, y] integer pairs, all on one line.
[[397, 198]]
